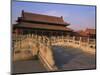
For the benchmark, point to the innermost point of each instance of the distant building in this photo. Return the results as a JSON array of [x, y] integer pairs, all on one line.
[[87, 33]]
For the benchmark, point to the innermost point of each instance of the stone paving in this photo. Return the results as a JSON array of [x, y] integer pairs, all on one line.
[[28, 66], [65, 59]]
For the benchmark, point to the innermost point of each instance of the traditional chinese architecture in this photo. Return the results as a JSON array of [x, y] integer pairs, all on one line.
[[41, 25], [36, 34], [91, 33]]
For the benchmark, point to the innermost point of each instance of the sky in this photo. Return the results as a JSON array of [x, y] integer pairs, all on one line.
[[79, 17]]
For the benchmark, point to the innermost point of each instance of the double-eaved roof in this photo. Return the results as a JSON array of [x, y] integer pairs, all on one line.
[[33, 20]]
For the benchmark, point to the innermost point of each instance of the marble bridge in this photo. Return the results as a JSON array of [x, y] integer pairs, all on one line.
[[41, 46]]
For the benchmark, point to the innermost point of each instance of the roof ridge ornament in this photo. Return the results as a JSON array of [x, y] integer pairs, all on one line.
[[23, 13], [61, 17]]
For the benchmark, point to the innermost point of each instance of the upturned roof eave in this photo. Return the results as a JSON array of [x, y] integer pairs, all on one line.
[[20, 26], [32, 21]]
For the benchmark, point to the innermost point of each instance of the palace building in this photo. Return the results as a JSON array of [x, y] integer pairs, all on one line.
[[41, 25]]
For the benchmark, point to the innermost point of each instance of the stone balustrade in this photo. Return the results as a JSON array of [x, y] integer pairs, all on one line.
[[36, 45], [86, 44], [41, 46]]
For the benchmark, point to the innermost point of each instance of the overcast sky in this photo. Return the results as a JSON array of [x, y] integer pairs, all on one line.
[[79, 17]]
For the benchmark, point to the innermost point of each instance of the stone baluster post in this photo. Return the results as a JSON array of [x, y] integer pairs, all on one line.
[[29, 41], [62, 36], [80, 41], [88, 41], [73, 39], [32, 37], [67, 38], [19, 41], [43, 39]]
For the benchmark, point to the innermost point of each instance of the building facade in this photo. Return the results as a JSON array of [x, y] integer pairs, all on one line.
[[39, 24]]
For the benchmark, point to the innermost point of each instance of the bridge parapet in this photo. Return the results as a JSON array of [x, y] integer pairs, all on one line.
[[39, 46], [86, 44]]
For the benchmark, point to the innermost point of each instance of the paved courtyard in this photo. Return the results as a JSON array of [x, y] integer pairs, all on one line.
[[73, 58], [65, 58]]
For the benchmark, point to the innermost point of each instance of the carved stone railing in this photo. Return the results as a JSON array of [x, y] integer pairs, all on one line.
[[41, 46], [86, 44], [37, 46]]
